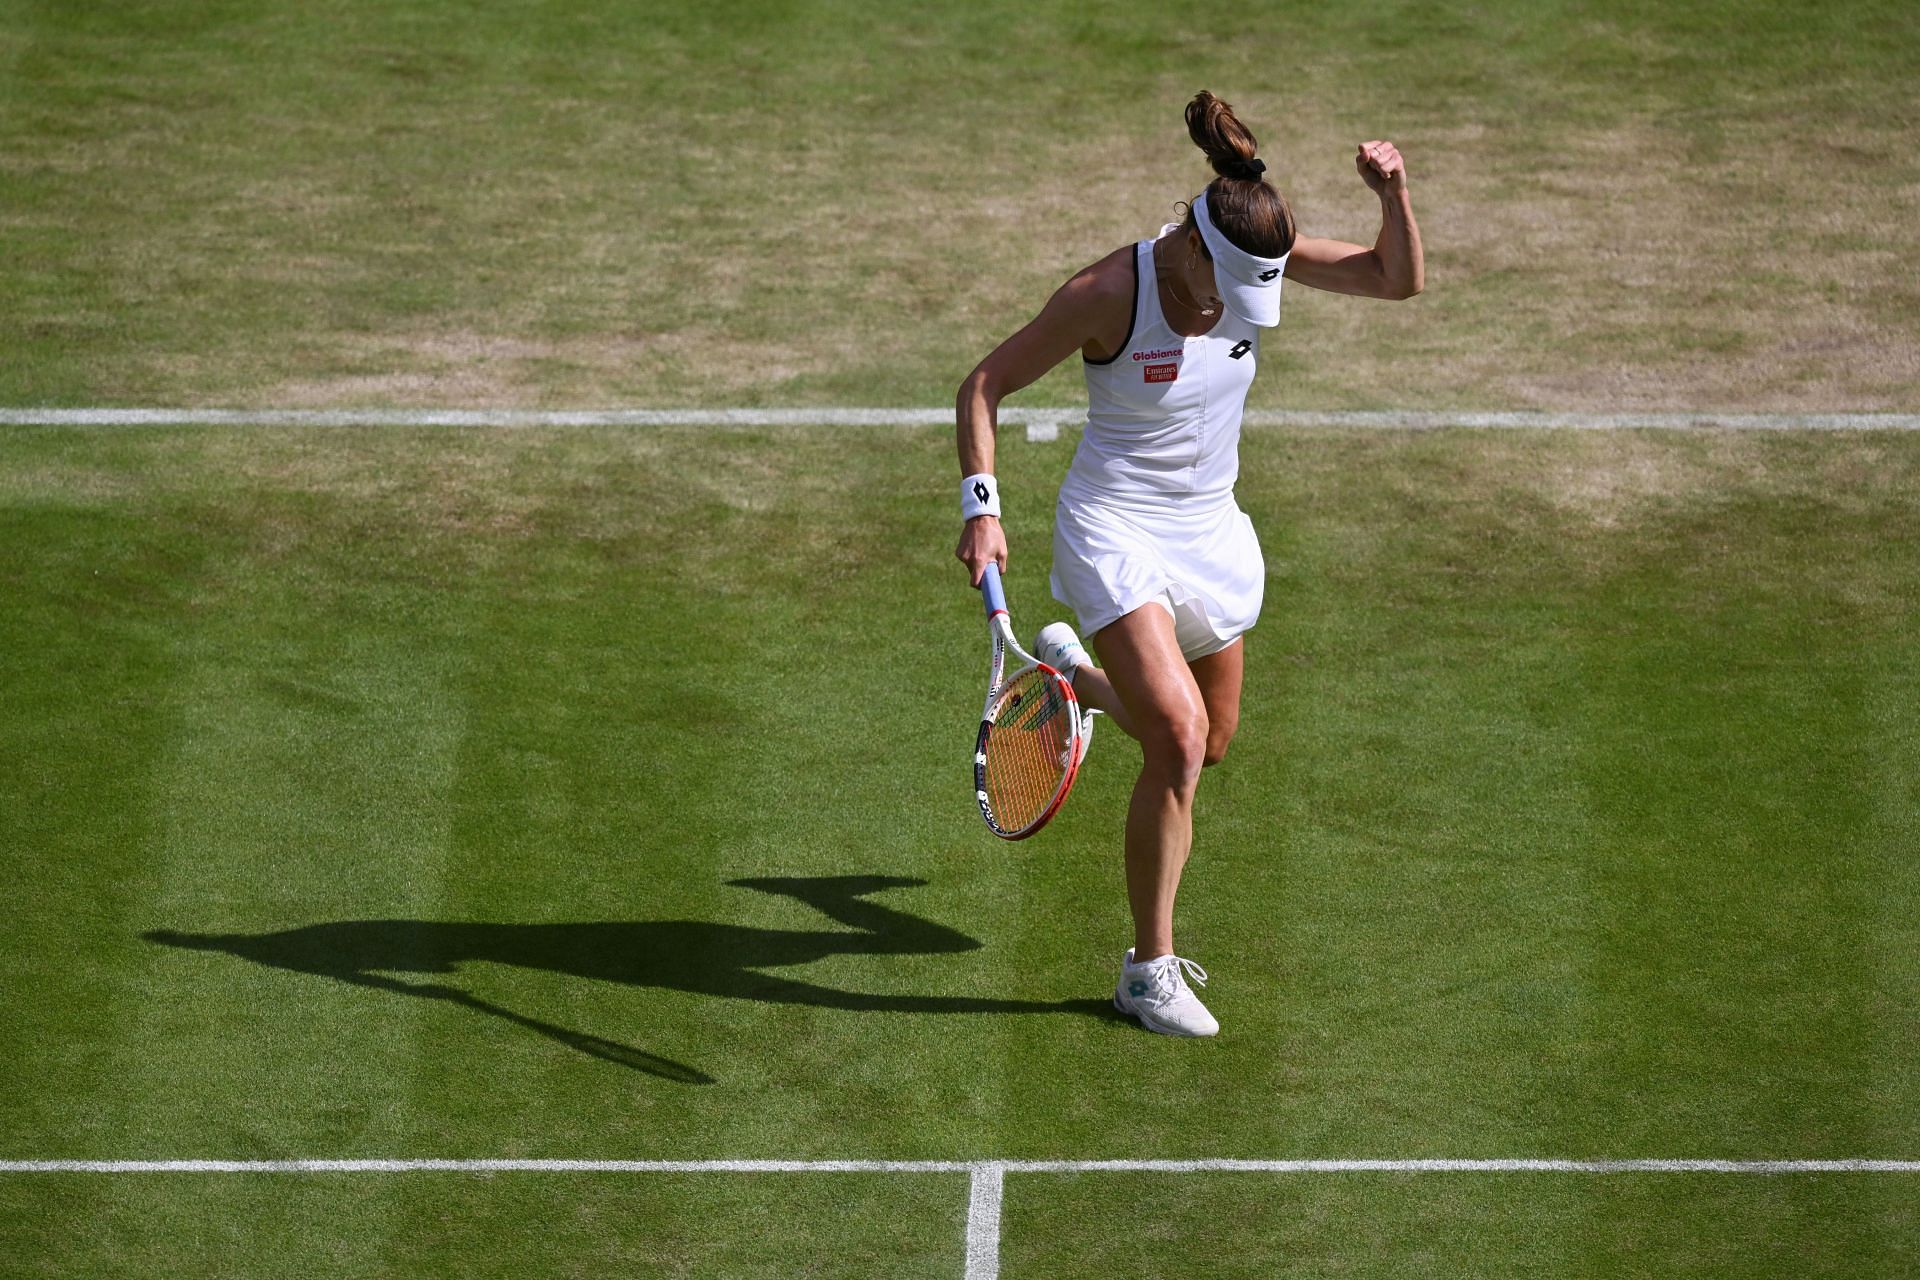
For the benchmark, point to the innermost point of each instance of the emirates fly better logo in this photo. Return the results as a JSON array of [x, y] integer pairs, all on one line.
[[1161, 372]]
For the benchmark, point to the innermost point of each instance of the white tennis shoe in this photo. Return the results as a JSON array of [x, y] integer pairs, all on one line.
[[1156, 992], [1060, 648]]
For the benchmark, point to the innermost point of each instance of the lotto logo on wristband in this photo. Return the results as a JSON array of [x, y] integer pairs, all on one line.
[[978, 496], [1162, 372]]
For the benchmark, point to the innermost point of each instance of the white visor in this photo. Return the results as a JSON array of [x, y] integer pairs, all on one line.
[[1249, 285]]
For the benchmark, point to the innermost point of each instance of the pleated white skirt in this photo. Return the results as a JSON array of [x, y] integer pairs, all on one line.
[[1204, 566]]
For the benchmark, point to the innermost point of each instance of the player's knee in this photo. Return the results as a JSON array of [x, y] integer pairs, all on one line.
[[1178, 747]]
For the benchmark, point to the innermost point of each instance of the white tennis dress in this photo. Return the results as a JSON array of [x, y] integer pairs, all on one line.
[[1146, 512]]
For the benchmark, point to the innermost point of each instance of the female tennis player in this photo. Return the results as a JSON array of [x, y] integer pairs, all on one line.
[[1150, 551]]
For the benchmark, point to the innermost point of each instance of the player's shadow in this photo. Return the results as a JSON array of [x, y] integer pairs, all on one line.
[[700, 956]]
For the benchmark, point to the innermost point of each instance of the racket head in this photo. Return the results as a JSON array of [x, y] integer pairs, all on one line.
[[1028, 755]]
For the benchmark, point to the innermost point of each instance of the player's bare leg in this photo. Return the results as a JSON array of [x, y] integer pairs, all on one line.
[[1142, 666], [1219, 676], [1095, 688], [1060, 648], [1153, 682]]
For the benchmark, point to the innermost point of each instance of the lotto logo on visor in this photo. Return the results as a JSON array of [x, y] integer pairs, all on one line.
[[1248, 283]]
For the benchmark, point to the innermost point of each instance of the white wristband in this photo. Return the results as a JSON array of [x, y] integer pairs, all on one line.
[[979, 496]]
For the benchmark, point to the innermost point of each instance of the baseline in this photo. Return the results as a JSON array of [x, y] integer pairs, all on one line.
[[986, 1179]]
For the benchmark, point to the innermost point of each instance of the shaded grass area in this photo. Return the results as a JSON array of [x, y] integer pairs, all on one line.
[[520, 772], [836, 201]]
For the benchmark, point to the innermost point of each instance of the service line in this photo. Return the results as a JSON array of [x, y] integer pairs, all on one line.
[[513, 1165], [1040, 424]]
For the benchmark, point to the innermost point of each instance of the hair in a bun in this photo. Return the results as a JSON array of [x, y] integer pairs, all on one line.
[[1246, 207], [1214, 129]]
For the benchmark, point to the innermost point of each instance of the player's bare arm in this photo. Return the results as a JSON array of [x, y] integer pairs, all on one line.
[[1089, 313], [1394, 268]]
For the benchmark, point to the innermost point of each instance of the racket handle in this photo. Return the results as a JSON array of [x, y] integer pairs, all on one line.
[[990, 588]]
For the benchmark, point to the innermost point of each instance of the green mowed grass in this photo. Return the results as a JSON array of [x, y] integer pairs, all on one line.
[[1701, 205], [599, 793], [508, 1225], [603, 794], [1423, 1225]]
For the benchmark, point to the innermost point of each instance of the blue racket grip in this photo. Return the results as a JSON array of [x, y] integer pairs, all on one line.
[[990, 588]]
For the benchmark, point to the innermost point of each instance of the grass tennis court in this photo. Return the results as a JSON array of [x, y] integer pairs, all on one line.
[[591, 793], [1627, 205], [1571, 817]]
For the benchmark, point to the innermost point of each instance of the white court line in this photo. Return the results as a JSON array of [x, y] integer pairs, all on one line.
[[487, 1166], [962, 1166], [1463, 1166], [376, 417], [984, 1189], [1040, 424], [1421, 420], [986, 1178]]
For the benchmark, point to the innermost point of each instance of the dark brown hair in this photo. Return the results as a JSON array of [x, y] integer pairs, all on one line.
[[1245, 206]]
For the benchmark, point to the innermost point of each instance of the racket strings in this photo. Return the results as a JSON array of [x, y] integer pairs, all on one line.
[[1029, 749]]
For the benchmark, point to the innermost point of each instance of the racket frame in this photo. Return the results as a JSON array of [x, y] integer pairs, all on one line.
[[1000, 629]]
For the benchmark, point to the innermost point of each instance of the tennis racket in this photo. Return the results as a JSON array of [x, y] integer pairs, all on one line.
[[1031, 731]]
